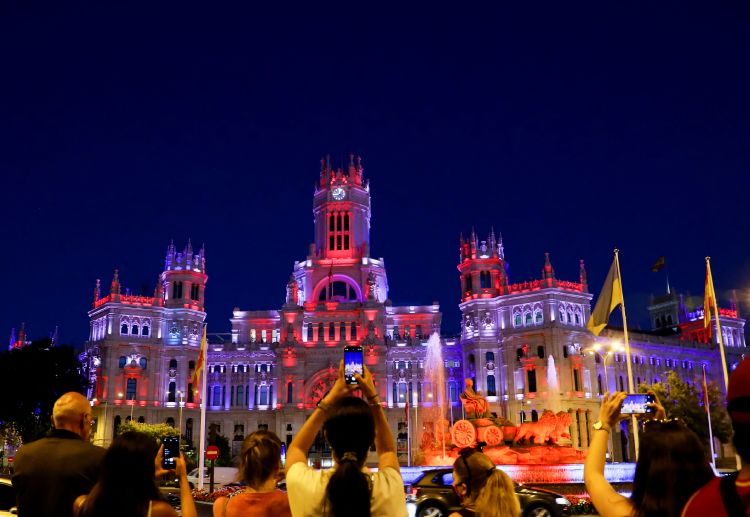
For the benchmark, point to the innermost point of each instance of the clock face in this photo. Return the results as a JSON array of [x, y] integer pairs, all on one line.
[[338, 193]]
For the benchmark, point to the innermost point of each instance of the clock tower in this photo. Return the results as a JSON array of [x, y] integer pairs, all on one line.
[[341, 209]]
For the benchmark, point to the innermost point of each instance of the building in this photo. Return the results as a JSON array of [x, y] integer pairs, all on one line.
[[525, 345]]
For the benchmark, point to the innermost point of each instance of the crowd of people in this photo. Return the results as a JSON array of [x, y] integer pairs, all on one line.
[[64, 475]]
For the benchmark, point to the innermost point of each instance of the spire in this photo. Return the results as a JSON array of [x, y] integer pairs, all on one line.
[[97, 291], [202, 259], [21, 341], [733, 303], [53, 336], [474, 244], [12, 338], [188, 253], [159, 293], [170, 256], [500, 249], [114, 289], [492, 242], [584, 279], [548, 272]]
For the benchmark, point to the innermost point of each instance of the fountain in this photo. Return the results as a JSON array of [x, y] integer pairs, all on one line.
[[434, 426], [553, 386]]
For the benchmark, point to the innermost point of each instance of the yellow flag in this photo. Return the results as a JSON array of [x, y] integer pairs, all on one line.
[[609, 298], [200, 363], [709, 297]]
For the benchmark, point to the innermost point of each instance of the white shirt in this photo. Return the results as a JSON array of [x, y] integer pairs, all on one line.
[[306, 488]]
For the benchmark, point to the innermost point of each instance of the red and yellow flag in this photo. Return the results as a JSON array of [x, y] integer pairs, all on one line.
[[709, 298], [200, 363]]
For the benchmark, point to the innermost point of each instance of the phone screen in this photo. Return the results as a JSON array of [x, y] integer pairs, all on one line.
[[352, 363], [635, 404], [171, 451]]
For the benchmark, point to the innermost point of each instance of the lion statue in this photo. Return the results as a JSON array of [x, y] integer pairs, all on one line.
[[550, 427]]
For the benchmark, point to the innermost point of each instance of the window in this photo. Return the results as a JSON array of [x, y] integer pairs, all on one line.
[[171, 393], [540, 352], [565, 350], [131, 389], [143, 363], [491, 389], [534, 415], [489, 356], [538, 316], [599, 383], [353, 331], [401, 392], [240, 396], [216, 399], [519, 353], [195, 292], [395, 392], [146, 331], [517, 320], [124, 329], [342, 331], [122, 361], [331, 331], [622, 384], [173, 363], [135, 330], [309, 331], [190, 395], [576, 381], [563, 316], [396, 335], [338, 231], [527, 319], [289, 392], [177, 290], [263, 395], [191, 365], [532, 381]]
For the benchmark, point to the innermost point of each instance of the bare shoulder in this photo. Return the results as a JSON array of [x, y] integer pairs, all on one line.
[[78, 503], [162, 509]]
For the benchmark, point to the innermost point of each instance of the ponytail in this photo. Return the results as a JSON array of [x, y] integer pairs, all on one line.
[[349, 489], [498, 496]]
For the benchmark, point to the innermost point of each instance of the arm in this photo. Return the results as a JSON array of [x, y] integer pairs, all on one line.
[[384, 443], [187, 504], [297, 452], [606, 500]]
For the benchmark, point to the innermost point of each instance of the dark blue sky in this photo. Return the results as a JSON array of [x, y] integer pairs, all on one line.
[[570, 128]]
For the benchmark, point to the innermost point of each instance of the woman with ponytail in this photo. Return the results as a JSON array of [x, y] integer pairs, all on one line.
[[350, 425], [260, 462], [484, 490]]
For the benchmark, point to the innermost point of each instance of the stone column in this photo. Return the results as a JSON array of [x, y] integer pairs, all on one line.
[[573, 427]]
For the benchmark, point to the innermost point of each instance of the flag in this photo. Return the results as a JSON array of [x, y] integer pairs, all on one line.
[[658, 265], [609, 299], [200, 363], [709, 298], [706, 405]]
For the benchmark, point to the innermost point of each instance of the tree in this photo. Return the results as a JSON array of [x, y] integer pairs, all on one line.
[[222, 442], [685, 401], [32, 379]]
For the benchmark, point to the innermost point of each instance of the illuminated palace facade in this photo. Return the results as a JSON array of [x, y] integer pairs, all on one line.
[[273, 366]]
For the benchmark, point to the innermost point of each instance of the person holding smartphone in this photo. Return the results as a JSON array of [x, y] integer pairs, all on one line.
[[350, 424], [672, 464], [127, 482]]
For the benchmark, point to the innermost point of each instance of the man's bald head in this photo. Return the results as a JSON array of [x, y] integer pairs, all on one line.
[[72, 412]]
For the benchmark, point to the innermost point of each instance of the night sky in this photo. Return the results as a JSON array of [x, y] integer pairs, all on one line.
[[572, 128]]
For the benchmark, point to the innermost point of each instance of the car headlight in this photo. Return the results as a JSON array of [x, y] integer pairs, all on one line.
[[562, 501]]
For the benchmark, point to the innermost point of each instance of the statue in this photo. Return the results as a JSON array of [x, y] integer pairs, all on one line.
[[474, 404], [291, 291], [372, 286], [550, 427]]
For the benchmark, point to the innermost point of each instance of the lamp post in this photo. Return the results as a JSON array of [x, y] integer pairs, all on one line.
[[609, 350], [182, 403], [121, 396]]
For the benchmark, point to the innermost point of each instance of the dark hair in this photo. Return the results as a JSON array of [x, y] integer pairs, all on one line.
[[126, 481], [350, 430], [672, 465], [739, 413], [489, 489], [260, 457]]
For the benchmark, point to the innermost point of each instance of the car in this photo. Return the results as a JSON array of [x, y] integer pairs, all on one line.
[[222, 476], [431, 494], [7, 498]]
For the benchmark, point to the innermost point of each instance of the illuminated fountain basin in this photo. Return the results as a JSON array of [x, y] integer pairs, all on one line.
[[548, 474]]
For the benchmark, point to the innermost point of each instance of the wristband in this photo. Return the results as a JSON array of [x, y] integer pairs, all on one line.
[[323, 406]]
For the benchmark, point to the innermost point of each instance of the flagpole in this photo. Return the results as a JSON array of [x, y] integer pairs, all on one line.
[[408, 433], [631, 387], [721, 339], [708, 416], [202, 446]]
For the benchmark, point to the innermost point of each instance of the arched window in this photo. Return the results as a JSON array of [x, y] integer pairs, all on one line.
[[540, 352], [309, 331], [527, 319], [122, 361], [578, 318], [485, 280], [172, 391], [146, 331], [132, 383], [289, 392], [342, 331], [173, 363], [135, 329], [563, 315], [538, 316], [517, 320], [143, 363], [401, 392], [124, 328], [489, 356], [491, 389], [534, 415], [338, 291], [353, 331], [321, 332]]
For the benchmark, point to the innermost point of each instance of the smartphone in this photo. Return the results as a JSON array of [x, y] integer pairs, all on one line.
[[171, 451], [353, 360], [636, 404]]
